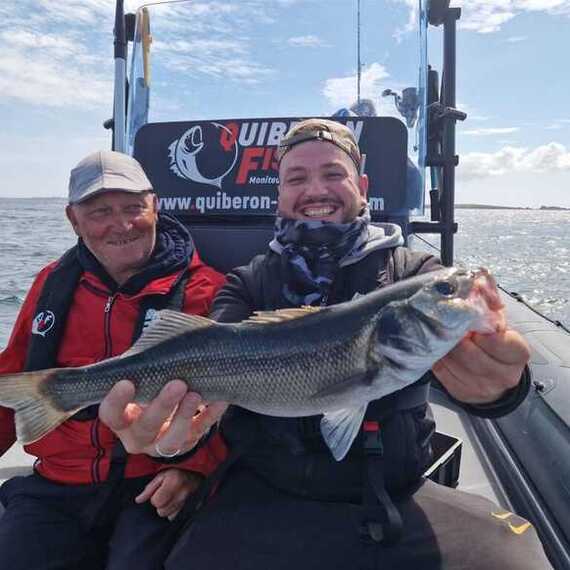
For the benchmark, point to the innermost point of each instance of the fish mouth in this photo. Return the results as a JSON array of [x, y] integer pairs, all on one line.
[[477, 292], [485, 286]]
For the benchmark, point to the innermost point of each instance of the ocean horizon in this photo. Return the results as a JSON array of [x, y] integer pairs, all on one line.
[[527, 250]]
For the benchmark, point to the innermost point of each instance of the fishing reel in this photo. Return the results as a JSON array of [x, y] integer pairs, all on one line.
[[408, 104]]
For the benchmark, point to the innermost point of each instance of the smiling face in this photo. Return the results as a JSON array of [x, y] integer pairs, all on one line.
[[119, 228], [319, 181]]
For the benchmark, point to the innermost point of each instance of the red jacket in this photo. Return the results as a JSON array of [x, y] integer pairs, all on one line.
[[79, 451]]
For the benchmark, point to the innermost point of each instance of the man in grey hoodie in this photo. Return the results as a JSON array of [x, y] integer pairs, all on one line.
[[286, 503]]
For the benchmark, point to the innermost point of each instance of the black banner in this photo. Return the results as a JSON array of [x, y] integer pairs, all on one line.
[[228, 168]]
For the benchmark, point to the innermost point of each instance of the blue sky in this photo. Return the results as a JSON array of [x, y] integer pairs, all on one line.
[[224, 58]]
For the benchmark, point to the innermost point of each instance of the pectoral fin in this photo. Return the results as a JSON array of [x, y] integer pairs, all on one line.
[[340, 428]]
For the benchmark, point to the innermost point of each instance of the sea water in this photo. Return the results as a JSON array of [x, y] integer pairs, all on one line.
[[527, 250]]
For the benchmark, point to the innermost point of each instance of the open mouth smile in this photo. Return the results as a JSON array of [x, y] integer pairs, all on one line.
[[319, 211]]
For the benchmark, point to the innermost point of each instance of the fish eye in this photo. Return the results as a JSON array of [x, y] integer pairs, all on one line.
[[445, 288]]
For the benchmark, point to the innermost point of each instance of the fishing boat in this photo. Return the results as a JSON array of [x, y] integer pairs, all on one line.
[[216, 172]]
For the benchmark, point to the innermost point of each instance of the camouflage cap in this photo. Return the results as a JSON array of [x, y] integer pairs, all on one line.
[[322, 130]]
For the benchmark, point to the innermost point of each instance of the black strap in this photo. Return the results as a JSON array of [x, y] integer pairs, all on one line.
[[53, 303], [381, 518], [174, 300]]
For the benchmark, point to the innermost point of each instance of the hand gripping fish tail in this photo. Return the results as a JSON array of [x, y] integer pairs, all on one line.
[[36, 411]]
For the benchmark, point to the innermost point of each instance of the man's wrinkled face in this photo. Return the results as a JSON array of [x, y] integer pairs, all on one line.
[[119, 228], [319, 181]]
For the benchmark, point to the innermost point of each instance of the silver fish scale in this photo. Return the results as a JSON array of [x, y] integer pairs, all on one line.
[[280, 377], [281, 380]]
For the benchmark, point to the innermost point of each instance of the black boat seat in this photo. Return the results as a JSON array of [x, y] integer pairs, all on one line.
[[220, 177]]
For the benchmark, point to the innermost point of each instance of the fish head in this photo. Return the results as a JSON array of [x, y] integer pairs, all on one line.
[[460, 298], [445, 299], [413, 333]]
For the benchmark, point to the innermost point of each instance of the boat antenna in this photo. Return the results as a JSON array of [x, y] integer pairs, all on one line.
[[358, 62]]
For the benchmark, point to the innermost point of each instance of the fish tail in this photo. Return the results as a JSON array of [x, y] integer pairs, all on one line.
[[36, 412]]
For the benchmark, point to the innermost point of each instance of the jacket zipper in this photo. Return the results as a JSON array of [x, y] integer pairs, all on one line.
[[96, 466], [107, 325]]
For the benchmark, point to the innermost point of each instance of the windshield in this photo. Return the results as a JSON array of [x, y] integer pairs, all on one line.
[[281, 58]]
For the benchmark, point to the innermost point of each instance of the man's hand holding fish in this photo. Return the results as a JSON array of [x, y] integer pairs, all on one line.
[[484, 366], [172, 424]]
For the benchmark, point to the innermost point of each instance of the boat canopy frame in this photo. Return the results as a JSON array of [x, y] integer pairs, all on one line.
[[440, 120]]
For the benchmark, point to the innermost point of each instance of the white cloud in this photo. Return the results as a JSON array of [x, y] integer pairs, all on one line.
[[550, 158], [59, 54], [342, 91], [413, 20], [490, 131], [50, 56], [220, 58], [24, 39], [516, 39], [49, 82], [488, 16], [309, 41], [201, 47]]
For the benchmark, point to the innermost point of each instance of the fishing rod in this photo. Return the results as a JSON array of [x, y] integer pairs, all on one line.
[[358, 62], [120, 88]]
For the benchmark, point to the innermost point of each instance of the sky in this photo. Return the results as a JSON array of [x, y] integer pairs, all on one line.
[[251, 58]]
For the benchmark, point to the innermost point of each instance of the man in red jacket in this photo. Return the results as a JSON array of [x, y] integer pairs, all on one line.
[[94, 500]]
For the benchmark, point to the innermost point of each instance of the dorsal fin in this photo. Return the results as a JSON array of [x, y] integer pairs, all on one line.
[[168, 324], [281, 315]]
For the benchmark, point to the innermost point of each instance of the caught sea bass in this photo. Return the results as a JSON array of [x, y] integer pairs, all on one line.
[[290, 362]]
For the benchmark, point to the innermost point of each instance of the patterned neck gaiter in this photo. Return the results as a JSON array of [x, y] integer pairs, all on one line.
[[311, 253]]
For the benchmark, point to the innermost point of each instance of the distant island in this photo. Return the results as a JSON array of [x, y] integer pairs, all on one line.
[[493, 207]]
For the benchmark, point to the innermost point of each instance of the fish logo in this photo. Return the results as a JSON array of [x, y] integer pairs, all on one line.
[[188, 161], [43, 322]]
